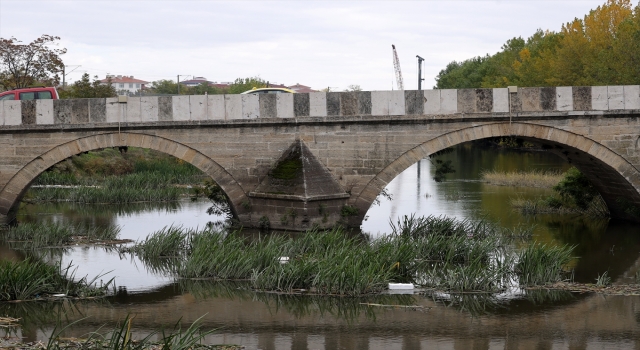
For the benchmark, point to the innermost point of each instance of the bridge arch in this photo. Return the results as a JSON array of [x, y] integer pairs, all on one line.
[[617, 180], [15, 188]]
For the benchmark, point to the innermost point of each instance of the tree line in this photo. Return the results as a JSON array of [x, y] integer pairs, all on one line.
[[603, 48]]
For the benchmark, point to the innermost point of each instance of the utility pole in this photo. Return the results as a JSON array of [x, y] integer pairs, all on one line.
[[420, 79], [180, 75], [64, 74]]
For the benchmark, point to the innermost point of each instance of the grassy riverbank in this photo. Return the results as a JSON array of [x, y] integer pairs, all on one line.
[[432, 252], [109, 176], [536, 178], [33, 279]]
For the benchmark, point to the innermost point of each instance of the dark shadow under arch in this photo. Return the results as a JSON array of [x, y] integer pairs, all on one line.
[[617, 180], [20, 182]]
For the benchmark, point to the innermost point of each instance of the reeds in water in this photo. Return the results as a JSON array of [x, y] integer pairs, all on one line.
[[38, 235], [32, 278], [434, 252], [535, 178]]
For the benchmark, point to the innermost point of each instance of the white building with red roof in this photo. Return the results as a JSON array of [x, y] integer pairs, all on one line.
[[125, 85]]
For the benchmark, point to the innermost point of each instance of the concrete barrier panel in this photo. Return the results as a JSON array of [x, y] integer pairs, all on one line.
[[215, 107], [198, 107], [284, 105], [251, 106], [632, 97], [333, 104], [564, 98], [500, 100], [530, 99], [12, 112], [582, 98], [380, 102], [301, 105], [349, 103], [448, 101], [467, 100], [599, 98], [232, 107], [134, 110], [114, 110], [431, 102], [396, 103], [180, 108], [149, 107], [268, 106], [28, 110], [165, 108], [97, 110], [44, 112], [616, 97], [318, 104], [414, 102]]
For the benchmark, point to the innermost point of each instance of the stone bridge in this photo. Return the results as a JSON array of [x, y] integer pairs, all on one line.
[[304, 160]]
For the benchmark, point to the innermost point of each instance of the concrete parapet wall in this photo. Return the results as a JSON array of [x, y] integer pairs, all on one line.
[[427, 103]]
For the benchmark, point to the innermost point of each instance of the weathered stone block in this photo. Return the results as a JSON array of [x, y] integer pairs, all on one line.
[[466, 100], [333, 103], [548, 101], [232, 107], [530, 99], [632, 97], [133, 111], [431, 102], [62, 111], [599, 98], [284, 105], [97, 110], [364, 102], [564, 98], [268, 107], [44, 112], [215, 107], [149, 109], [250, 106], [301, 105], [348, 103], [484, 100], [414, 102], [448, 101], [28, 111], [501, 100], [616, 97], [180, 108], [582, 100], [318, 104]]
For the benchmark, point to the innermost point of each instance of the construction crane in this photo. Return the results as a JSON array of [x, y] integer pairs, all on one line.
[[396, 66]]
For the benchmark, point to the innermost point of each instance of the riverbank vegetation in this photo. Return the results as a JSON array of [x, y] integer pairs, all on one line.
[[113, 176], [432, 252], [599, 49], [28, 236], [34, 279], [536, 178]]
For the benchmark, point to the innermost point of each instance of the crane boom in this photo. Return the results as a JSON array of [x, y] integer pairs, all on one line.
[[396, 66]]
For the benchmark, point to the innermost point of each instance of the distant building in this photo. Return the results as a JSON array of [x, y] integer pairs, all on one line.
[[125, 85], [301, 88], [196, 81]]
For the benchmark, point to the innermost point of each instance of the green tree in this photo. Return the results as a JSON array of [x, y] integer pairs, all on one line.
[[25, 65], [576, 187], [84, 88], [167, 87], [241, 85]]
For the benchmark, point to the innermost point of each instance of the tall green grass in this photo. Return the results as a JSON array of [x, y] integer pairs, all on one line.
[[30, 278], [38, 235], [434, 252]]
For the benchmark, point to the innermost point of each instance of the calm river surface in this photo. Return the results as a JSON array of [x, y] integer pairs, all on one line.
[[516, 320]]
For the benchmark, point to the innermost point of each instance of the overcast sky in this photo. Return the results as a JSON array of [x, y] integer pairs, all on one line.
[[316, 43]]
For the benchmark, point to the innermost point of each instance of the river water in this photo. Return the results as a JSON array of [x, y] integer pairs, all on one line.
[[516, 320]]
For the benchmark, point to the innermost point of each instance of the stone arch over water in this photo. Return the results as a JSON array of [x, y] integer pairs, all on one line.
[[617, 180], [16, 187]]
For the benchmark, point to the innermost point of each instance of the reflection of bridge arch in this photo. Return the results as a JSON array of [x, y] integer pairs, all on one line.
[[19, 183], [611, 174]]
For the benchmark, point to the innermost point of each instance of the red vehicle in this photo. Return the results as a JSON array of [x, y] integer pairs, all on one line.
[[36, 93]]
